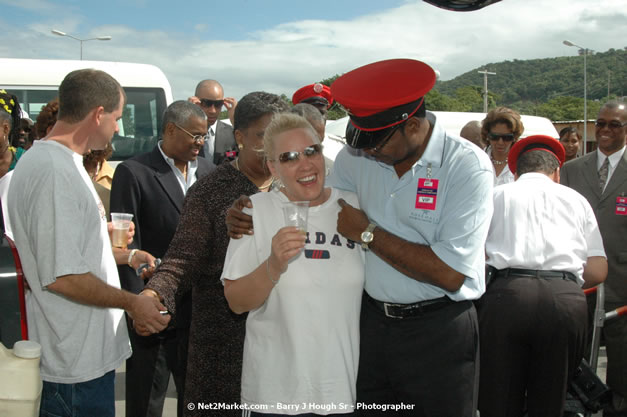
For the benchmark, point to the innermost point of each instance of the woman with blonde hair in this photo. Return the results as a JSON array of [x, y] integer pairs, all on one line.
[[302, 291]]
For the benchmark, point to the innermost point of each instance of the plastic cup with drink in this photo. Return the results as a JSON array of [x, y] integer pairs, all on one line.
[[295, 214], [121, 224]]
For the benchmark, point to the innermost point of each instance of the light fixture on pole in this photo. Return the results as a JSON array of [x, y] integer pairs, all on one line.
[[99, 38], [585, 93]]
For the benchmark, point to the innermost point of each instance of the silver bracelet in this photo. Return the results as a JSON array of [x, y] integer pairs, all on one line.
[[130, 257], [274, 281]]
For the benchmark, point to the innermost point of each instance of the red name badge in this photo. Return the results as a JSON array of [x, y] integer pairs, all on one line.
[[427, 194], [621, 206]]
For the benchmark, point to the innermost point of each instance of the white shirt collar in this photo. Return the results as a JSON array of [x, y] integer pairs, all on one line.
[[614, 158]]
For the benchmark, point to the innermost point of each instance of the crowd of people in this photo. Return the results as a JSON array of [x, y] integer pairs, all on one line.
[[437, 276]]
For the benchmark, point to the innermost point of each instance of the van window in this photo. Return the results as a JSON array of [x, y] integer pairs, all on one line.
[[141, 121], [140, 124]]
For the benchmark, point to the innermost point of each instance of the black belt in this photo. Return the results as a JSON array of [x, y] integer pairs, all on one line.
[[402, 311], [535, 273]]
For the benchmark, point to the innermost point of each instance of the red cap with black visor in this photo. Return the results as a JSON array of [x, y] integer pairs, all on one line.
[[535, 143], [380, 96], [315, 94]]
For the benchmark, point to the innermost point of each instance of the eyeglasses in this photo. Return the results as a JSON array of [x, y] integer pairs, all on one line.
[[600, 124], [507, 137], [385, 140], [205, 102], [198, 139], [309, 152]]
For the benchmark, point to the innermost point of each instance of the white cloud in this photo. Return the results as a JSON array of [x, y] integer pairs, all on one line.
[[34, 5], [287, 56]]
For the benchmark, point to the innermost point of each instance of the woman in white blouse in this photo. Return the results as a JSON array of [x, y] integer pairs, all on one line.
[[501, 129]]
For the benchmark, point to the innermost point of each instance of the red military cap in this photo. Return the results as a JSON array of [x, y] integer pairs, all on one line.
[[381, 95], [314, 94], [532, 143]]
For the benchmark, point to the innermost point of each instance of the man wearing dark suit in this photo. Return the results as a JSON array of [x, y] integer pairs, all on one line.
[[221, 145], [601, 177], [152, 187]]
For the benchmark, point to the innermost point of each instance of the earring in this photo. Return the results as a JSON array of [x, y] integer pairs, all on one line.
[[240, 146], [277, 183]]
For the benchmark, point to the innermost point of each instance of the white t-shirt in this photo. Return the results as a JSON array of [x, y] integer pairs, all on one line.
[[60, 228], [302, 345], [539, 224]]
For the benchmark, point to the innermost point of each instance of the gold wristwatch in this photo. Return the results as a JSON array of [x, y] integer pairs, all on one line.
[[367, 236]]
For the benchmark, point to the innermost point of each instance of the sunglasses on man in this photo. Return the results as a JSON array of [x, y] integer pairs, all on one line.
[[507, 137], [612, 125], [293, 156], [205, 102]]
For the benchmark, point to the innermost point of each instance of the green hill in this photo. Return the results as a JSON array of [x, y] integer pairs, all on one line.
[[550, 87]]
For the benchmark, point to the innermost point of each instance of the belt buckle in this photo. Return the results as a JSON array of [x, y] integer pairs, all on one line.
[[387, 313]]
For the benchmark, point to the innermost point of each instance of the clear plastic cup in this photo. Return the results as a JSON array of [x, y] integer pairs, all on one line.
[[121, 224], [295, 214]]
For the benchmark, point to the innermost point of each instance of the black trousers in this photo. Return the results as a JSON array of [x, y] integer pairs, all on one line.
[[148, 372], [426, 365], [533, 334]]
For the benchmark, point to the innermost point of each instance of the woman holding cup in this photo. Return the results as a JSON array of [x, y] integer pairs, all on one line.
[[302, 290]]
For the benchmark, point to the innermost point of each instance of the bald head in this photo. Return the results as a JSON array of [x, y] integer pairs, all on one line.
[[618, 106], [211, 96], [472, 132], [205, 85]]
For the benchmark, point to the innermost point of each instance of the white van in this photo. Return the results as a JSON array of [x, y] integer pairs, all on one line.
[[452, 122], [148, 93]]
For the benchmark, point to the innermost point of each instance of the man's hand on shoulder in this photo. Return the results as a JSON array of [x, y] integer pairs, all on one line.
[[239, 223]]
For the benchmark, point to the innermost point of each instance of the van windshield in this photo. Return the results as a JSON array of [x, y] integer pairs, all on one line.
[[140, 125]]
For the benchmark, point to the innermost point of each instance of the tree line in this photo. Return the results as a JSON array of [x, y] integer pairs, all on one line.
[[549, 87]]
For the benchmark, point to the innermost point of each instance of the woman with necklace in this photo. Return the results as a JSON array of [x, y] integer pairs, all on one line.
[[195, 259], [501, 129]]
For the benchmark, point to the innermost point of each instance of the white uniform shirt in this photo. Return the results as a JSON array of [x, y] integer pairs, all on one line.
[[539, 224]]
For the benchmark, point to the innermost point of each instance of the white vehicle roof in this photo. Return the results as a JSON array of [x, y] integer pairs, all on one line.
[[48, 73], [454, 121]]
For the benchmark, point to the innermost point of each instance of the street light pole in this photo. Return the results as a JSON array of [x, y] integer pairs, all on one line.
[[485, 88], [585, 93], [99, 38]]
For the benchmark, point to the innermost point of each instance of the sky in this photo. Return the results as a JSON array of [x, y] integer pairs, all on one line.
[[280, 45]]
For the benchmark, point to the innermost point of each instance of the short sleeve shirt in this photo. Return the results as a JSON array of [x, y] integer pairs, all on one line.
[[302, 344], [539, 224], [60, 229], [451, 215]]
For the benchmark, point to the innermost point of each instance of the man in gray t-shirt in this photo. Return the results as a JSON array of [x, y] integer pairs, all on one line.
[[75, 309]]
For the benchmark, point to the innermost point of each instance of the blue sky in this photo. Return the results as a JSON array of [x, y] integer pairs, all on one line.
[[281, 45]]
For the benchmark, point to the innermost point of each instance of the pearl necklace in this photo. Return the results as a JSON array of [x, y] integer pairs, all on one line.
[[496, 161]]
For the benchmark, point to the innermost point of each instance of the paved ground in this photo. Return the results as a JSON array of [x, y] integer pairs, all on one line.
[[169, 409]]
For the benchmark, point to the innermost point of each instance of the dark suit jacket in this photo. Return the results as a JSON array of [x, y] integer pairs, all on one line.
[[146, 187], [225, 141], [582, 175]]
